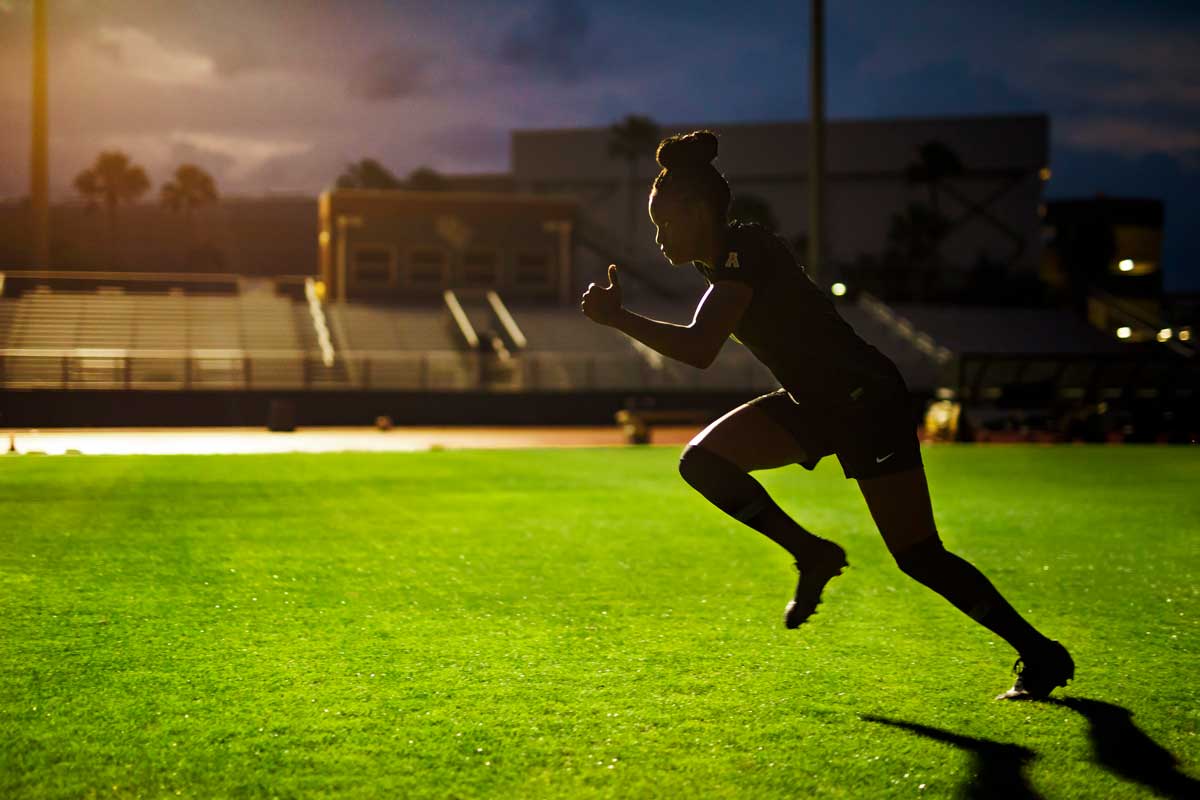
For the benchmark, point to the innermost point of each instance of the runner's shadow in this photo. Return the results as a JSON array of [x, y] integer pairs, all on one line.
[[1121, 747], [998, 769]]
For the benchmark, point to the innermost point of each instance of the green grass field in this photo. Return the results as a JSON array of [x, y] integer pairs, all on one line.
[[578, 624]]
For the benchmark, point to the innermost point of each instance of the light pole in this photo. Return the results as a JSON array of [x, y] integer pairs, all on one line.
[[816, 140], [39, 172], [563, 229], [344, 221]]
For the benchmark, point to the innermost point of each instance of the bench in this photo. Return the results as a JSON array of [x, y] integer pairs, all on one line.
[[636, 422]]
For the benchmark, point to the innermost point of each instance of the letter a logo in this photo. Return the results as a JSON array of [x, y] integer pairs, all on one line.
[[732, 261]]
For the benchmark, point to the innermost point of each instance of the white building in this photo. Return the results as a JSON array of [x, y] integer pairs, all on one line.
[[993, 205]]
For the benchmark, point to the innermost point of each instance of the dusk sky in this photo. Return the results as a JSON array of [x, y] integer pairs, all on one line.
[[278, 95]]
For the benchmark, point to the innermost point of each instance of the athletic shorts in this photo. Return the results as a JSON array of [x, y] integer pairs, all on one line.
[[870, 437]]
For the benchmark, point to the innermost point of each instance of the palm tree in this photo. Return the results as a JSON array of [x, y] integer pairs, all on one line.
[[425, 179], [917, 232], [752, 208], [632, 139], [191, 189], [367, 174], [112, 180], [915, 236], [936, 163]]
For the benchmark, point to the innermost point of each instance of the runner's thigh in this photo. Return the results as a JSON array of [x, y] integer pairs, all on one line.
[[749, 437]]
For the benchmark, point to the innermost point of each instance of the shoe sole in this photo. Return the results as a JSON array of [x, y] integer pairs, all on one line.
[[1022, 694], [787, 612]]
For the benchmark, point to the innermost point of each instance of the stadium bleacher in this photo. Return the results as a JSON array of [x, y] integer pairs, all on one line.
[[976, 329], [238, 335], [113, 338], [923, 370], [264, 339]]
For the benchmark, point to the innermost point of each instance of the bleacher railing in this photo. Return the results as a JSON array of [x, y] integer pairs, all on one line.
[[452, 370]]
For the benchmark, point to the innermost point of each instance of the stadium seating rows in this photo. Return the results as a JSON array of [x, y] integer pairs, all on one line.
[[971, 329], [110, 338], [258, 339]]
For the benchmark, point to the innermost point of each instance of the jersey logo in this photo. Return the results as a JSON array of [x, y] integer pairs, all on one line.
[[732, 261], [879, 460]]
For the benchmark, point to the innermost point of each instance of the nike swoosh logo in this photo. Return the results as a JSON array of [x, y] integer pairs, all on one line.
[[885, 458]]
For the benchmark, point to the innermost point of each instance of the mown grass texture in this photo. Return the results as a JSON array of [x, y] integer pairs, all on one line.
[[579, 623]]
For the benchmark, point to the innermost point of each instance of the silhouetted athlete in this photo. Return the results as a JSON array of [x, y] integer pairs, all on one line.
[[840, 396]]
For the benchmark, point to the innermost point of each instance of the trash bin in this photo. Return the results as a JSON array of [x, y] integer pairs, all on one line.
[[281, 416]]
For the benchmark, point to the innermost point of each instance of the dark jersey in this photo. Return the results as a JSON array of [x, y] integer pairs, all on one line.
[[794, 329]]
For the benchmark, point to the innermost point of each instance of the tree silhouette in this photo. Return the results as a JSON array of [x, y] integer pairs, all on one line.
[[752, 208], [425, 179], [191, 188], [112, 180], [916, 232], [914, 237], [936, 162], [367, 174], [632, 139]]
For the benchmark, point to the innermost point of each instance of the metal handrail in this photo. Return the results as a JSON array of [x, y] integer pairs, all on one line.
[[570, 370]]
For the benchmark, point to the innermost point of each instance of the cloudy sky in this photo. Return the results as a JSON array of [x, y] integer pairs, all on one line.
[[278, 95]]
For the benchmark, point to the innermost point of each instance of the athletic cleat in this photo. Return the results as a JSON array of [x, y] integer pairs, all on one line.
[[812, 582], [1037, 676]]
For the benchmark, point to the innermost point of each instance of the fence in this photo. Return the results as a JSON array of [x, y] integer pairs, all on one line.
[[236, 369]]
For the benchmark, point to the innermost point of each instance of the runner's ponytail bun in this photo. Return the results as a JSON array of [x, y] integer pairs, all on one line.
[[684, 150], [689, 174]]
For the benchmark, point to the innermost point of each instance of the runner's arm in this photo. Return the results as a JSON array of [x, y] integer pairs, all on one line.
[[697, 343]]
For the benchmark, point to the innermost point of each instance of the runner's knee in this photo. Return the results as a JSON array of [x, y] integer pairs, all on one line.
[[700, 466], [919, 560], [723, 483]]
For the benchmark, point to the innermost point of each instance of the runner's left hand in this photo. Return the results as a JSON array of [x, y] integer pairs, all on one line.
[[602, 303]]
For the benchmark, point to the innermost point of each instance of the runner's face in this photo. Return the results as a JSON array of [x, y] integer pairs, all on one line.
[[679, 235]]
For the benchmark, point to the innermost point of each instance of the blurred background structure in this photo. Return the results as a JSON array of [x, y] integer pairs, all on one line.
[[457, 301], [452, 297]]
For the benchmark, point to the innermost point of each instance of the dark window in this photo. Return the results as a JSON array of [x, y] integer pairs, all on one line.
[[532, 269], [480, 267], [374, 265], [427, 267]]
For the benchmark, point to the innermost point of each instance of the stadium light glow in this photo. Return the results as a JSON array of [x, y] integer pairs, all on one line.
[[1165, 334], [1126, 265], [838, 289], [1185, 334], [1044, 173], [1124, 332]]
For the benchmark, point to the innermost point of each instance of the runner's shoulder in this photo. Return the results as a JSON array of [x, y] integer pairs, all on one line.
[[760, 244]]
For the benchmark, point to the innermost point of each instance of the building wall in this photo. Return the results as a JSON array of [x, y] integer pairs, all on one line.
[[867, 182], [250, 236], [413, 245]]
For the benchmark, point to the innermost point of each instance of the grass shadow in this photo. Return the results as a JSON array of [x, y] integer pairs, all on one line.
[[998, 769], [1122, 748]]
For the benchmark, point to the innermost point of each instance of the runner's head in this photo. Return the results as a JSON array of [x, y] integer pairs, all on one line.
[[689, 202]]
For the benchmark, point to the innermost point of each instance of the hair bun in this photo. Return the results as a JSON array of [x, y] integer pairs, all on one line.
[[693, 149]]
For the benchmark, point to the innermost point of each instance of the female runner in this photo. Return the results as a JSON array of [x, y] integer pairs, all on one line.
[[840, 396]]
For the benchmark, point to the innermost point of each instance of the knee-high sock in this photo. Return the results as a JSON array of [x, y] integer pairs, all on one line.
[[742, 497], [969, 590]]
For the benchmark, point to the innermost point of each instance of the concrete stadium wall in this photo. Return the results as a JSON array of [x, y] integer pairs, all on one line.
[[94, 408]]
